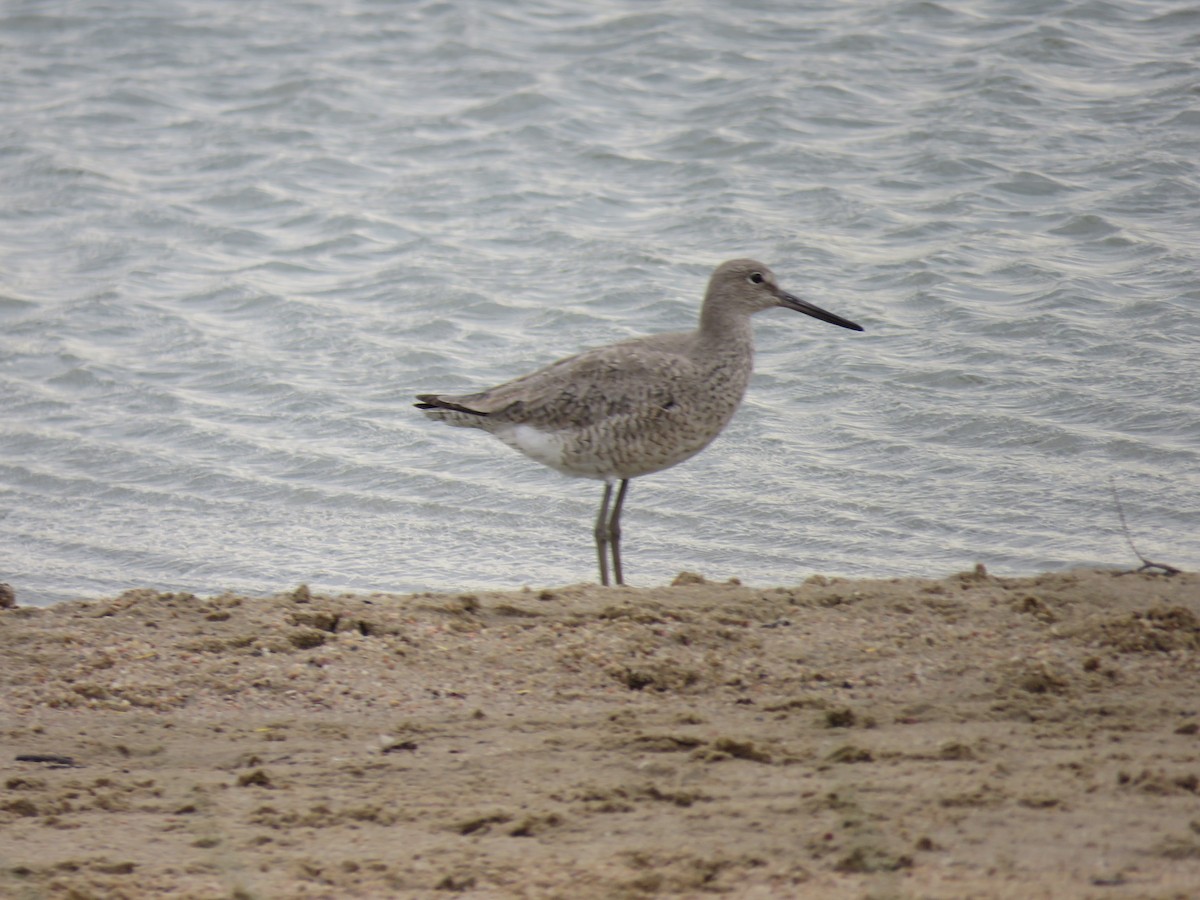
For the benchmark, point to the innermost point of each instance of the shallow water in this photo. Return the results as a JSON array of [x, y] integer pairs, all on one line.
[[235, 240]]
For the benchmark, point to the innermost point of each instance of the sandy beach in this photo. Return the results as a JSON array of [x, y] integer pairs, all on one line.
[[969, 736]]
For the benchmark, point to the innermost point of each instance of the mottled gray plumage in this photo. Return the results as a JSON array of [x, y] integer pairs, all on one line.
[[638, 406]]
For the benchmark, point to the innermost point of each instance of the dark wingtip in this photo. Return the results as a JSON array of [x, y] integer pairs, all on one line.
[[433, 401]]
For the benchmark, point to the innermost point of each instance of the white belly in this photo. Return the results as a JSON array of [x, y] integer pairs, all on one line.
[[550, 449]]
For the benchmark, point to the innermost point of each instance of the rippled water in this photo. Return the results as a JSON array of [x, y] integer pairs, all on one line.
[[235, 239]]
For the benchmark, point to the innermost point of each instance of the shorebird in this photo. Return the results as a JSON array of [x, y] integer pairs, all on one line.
[[638, 406]]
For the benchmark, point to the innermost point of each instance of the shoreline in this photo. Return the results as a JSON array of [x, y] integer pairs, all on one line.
[[968, 735]]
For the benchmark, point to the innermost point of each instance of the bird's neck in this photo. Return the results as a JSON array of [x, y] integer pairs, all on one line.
[[725, 331]]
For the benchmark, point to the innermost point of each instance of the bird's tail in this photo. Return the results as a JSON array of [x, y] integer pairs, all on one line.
[[449, 410]]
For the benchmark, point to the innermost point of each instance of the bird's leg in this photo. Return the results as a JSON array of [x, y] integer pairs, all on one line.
[[602, 534], [614, 530]]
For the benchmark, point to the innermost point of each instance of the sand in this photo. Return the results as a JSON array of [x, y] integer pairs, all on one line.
[[972, 736]]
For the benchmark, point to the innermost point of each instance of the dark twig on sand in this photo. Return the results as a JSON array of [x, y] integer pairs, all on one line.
[[52, 759], [1147, 565]]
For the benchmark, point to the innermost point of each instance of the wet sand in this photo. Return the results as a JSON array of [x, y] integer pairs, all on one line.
[[965, 737]]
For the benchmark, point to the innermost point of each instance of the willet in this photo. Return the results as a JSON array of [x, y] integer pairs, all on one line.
[[634, 407]]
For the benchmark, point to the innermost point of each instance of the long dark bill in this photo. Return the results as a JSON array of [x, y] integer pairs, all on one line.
[[791, 301]]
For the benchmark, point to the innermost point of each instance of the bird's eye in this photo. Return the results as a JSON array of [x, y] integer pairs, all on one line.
[[756, 278]]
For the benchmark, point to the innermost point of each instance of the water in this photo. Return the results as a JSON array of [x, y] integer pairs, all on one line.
[[235, 239]]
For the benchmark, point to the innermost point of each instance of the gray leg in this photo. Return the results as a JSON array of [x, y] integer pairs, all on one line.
[[602, 534], [614, 530]]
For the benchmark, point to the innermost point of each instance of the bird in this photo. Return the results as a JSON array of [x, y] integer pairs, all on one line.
[[639, 406]]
